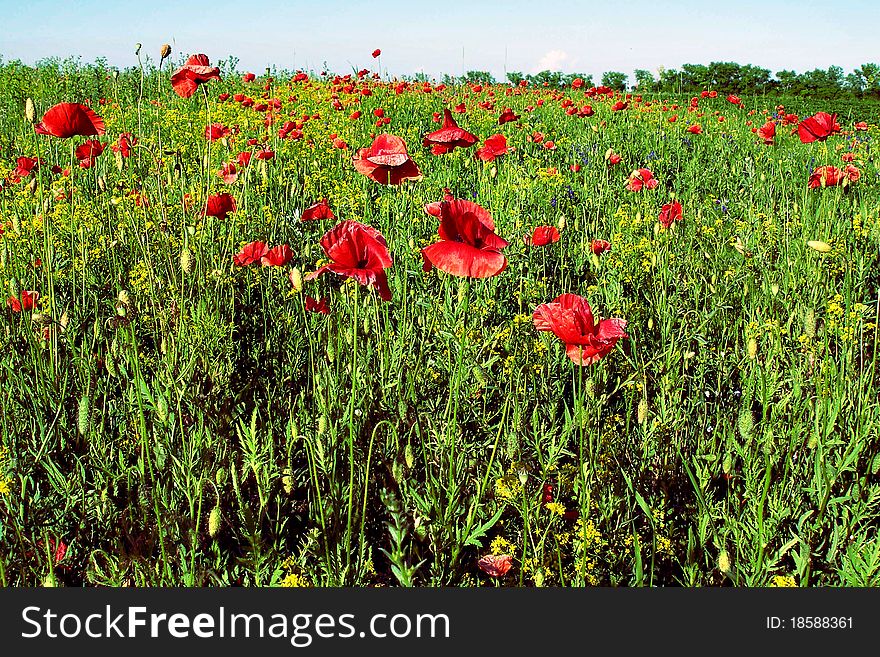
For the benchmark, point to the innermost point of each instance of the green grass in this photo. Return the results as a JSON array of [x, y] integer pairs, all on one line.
[[193, 425]]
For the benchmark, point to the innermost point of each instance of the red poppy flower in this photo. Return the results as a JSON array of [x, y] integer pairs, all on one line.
[[24, 167], [695, 129], [434, 209], [70, 119], [219, 205], [250, 253], [229, 173], [736, 100], [570, 318], [124, 144], [28, 301], [641, 179], [320, 210], [448, 137], [496, 565], [670, 213], [542, 236], [846, 157], [376, 53], [599, 246], [619, 106], [244, 159], [265, 154], [314, 306], [827, 176], [853, 173], [87, 152], [248, 77], [767, 132], [277, 256], [216, 131], [196, 71], [861, 125], [507, 116], [357, 251], [386, 161], [469, 245], [817, 127], [494, 147], [612, 157]]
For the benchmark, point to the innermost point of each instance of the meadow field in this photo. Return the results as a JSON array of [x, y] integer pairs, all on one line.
[[307, 330]]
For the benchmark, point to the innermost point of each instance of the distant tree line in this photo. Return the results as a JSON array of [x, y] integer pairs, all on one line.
[[724, 77]]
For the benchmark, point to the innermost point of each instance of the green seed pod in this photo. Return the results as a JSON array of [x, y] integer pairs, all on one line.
[[82, 416], [214, 519]]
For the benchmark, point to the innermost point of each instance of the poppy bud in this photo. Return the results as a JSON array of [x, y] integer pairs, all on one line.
[[560, 223], [408, 456], [118, 160], [41, 318], [186, 261], [32, 186], [220, 476], [746, 424], [110, 364], [165, 51], [64, 321], [82, 415], [287, 481], [493, 172], [102, 184], [123, 297], [214, 519], [821, 247], [366, 324], [331, 352], [650, 323], [29, 112], [322, 425], [752, 348], [642, 412], [137, 49], [162, 407], [727, 464], [49, 581], [296, 280], [724, 563]]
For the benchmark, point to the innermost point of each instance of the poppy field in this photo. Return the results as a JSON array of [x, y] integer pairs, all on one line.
[[318, 329]]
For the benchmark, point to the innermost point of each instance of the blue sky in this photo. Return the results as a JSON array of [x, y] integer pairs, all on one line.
[[452, 36]]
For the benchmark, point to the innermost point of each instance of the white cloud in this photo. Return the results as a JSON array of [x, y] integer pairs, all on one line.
[[554, 60]]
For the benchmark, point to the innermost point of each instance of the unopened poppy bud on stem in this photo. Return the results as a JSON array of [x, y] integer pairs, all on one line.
[[214, 519], [165, 51], [642, 412], [752, 348], [29, 111]]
